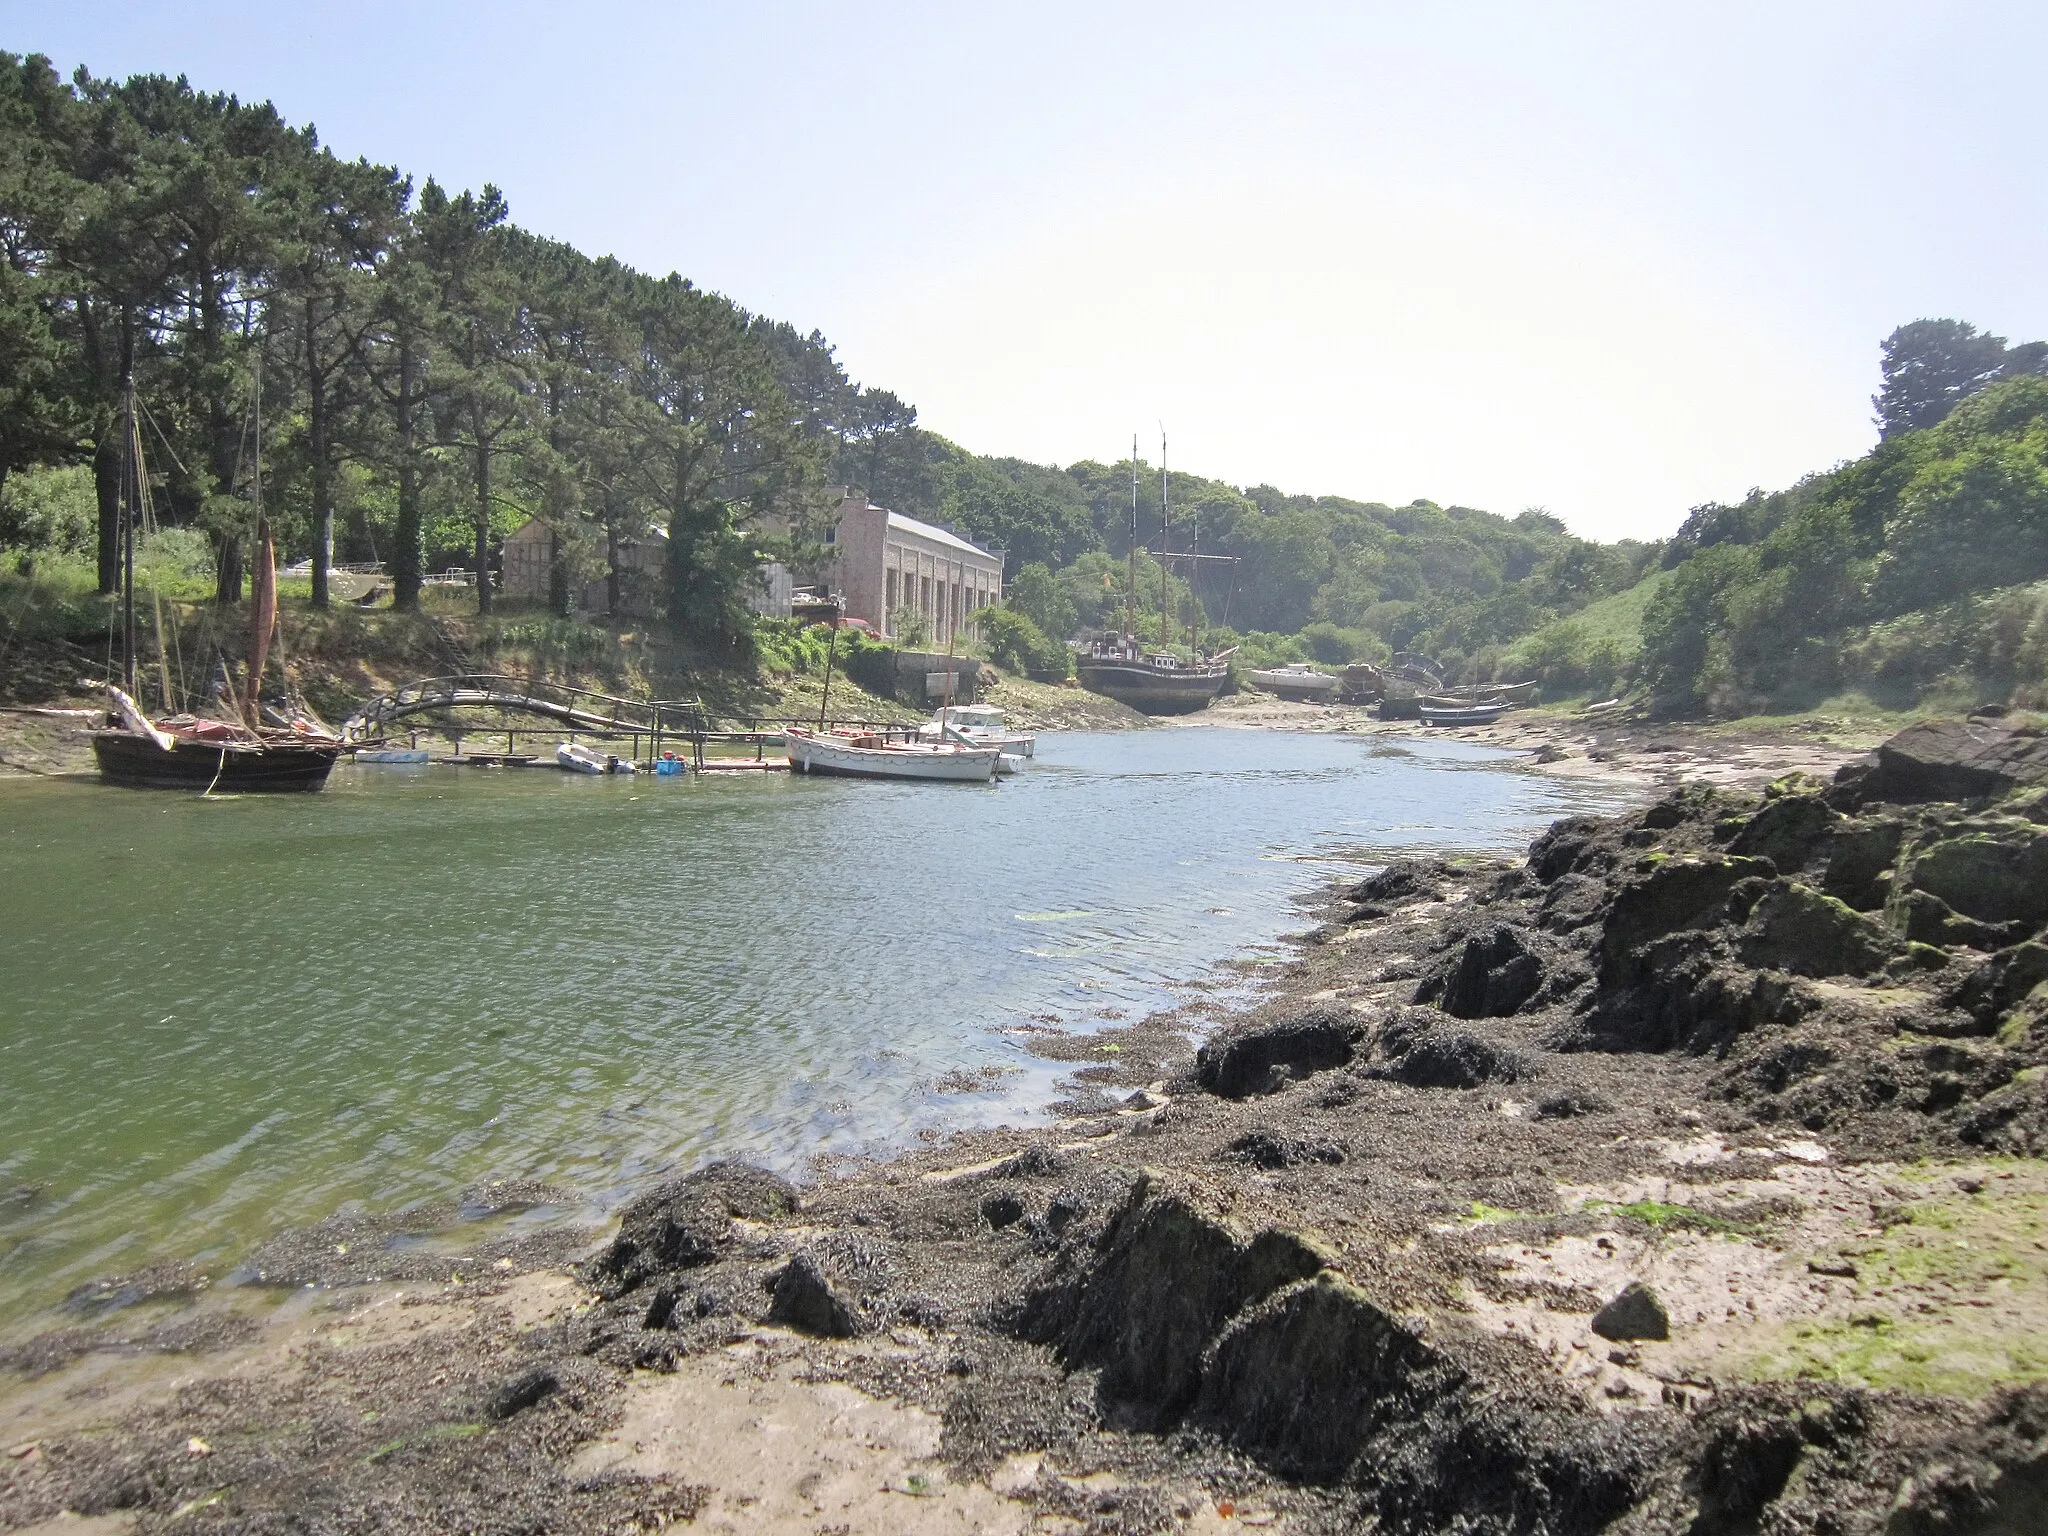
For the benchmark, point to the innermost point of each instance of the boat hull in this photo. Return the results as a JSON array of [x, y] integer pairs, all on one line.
[[1481, 714], [1313, 688], [1151, 691], [136, 762], [817, 755]]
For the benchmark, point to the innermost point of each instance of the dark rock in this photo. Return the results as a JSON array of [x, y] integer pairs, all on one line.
[[1403, 881], [1997, 985], [1161, 1282], [1261, 1058], [805, 1299], [1746, 1462], [1924, 918], [1305, 1378], [1495, 973], [1271, 1149], [1674, 894], [1860, 857], [1002, 1209], [1036, 1161], [1570, 1105], [2012, 1119], [1995, 871], [687, 1223], [521, 1392], [1571, 902], [1795, 928], [1563, 845], [1958, 760], [1635, 1314], [1788, 831], [1423, 1054]]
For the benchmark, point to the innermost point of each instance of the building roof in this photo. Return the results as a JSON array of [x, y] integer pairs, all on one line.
[[899, 523]]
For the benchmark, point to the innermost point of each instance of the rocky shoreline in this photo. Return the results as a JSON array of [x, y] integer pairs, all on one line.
[[1684, 1176]]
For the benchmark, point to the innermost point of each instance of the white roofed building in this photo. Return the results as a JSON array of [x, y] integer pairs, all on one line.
[[887, 565]]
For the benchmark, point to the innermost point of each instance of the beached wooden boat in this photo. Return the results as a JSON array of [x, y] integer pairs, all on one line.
[[873, 757], [1296, 680], [1461, 714], [184, 752], [1158, 684]]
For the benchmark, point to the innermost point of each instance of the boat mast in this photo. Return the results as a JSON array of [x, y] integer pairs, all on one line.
[[129, 472], [1166, 625], [1131, 578]]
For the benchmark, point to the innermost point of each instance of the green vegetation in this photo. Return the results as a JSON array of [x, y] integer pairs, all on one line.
[[1915, 569], [433, 378], [1949, 1301]]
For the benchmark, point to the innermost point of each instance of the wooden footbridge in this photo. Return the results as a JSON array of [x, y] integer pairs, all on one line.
[[684, 726], [580, 709]]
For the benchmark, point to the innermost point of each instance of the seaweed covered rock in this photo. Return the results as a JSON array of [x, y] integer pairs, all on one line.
[[1262, 1058], [1146, 1298], [1994, 870], [687, 1223], [1490, 976], [1670, 895], [1307, 1377], [1415, 1048], [1275, 1149], [1797, 929], [1789, 830], [839, 1288], [1404, 880]]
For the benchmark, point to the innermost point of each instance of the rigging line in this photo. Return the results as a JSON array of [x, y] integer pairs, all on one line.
[[162, 438]]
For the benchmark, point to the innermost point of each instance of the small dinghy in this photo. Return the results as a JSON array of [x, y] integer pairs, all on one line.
[[390, 755], [574, 757]]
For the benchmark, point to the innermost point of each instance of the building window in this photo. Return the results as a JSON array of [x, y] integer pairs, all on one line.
[[894, 581]]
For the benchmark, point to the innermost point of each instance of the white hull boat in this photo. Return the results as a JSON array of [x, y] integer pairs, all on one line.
[[1296, 681], [870, 757], [979, 725], [574, 757]]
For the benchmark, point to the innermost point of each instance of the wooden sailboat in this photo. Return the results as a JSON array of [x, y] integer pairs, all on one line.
[[1159, 683], [186, 751]]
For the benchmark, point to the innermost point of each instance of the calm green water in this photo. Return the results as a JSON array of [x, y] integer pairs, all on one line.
[[220, 1016]]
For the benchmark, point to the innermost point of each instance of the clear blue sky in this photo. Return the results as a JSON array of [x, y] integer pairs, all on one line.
[[1610, 259]]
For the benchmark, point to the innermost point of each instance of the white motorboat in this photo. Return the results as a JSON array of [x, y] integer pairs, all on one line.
[[574, 757], [1296, 680], [983, 725], [873, 757]]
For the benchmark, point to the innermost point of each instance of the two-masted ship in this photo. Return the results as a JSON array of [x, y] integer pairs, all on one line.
[[1158, 681], [256, 748]]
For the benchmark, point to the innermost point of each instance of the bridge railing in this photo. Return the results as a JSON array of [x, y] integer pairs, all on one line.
[[583, 708]]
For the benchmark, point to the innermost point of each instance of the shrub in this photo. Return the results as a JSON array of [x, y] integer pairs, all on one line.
[[1016, 643]]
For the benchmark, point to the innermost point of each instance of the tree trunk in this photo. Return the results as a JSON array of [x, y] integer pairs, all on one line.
[[323, 476], [106, 484], [410, 555], [483, 524]]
